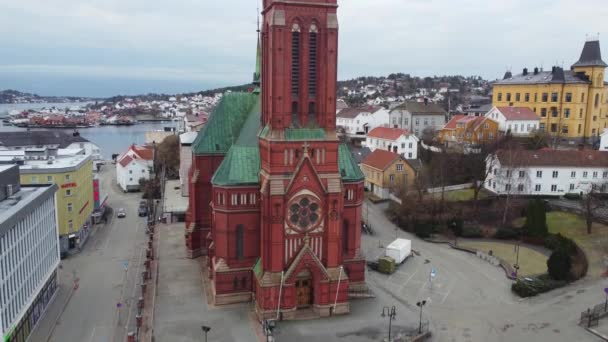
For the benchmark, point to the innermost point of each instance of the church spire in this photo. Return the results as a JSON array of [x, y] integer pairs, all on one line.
[[258, 58]]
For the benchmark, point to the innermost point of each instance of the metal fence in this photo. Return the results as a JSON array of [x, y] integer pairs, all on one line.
[[591, 316]]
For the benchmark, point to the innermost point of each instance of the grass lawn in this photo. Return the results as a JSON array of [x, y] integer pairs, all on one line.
[[573, 226], [531, 262], [460, 195]]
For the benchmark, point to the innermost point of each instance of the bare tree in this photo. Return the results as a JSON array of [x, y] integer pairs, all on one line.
[[591, 203]]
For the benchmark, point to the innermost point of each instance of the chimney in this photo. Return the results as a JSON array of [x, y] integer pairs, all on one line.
[[426, 101], [553, 70], [525, 72], [536, 71]]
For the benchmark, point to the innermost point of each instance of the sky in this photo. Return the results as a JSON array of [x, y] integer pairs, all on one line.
[[107, 47]]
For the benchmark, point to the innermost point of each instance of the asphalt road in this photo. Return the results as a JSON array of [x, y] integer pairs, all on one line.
[[88, 312]]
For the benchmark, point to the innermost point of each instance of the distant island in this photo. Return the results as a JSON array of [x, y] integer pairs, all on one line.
[[10, 96]]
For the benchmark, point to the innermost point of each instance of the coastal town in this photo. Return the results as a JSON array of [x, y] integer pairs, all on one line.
[[299, 207]]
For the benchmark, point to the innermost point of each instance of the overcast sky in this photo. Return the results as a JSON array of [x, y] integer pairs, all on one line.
[[107, 47]]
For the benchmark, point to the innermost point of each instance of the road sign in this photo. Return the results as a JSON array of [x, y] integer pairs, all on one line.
[[125, 264], [119, 305], [606, 290], [433, 272]]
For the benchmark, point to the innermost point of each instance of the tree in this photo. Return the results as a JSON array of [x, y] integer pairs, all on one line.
[[167, 154], [591, 203], [536, 219], [559, 265]]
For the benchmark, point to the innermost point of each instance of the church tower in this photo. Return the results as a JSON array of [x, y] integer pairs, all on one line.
[[310, 195]]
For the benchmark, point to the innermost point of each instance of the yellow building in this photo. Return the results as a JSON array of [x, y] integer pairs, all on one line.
[[72, 171], [387, 172], [571, 104]]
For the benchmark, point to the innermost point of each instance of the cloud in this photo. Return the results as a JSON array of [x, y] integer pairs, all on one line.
[[215, 40]]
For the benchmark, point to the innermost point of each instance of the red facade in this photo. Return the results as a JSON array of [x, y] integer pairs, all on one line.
[[291, 240]]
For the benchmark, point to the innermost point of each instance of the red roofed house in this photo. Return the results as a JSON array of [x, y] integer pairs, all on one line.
[[468, 130], [133, 165], [387, 172], [520, 121], [396, 140]]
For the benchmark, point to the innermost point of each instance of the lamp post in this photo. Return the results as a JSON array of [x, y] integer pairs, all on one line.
[[516, 266], [205, 331], [391, 313], [420, 304], [606, 302]]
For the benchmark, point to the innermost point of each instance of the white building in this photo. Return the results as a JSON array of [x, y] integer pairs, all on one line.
[[185, 159], [546, 172], [519, 121], [22, 140], [133, 165], [29, 253], [362, 120], [418, 117], [393, 139], [604, 141]]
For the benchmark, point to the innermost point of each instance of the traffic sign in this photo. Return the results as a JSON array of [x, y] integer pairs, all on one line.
[[119, 305], [125, 264], [433, 272], [606, 290]]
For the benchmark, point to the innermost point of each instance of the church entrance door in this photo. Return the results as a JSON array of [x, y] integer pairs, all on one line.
[[304, 289]]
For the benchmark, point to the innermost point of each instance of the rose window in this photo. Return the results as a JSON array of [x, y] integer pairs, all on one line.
[[304, 214]]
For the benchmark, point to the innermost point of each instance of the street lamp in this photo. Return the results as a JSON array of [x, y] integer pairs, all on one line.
[[205, 331], [420, 304], [516, 266], [391, 313]]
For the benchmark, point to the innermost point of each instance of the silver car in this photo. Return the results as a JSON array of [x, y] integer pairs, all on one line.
[[121, 213]]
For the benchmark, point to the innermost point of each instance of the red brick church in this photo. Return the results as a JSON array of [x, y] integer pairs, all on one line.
[[275, 199]]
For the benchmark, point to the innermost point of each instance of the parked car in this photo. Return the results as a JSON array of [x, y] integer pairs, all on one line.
[[121, 213], [142, 211]]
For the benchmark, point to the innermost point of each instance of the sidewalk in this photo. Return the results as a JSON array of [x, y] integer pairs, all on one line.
[[181, 305]]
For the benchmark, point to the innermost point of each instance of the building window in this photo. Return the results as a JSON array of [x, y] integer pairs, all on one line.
[[554, 112], [553, 188], [295, 60], [243, 198], [71, 225], [234, 199], [605, 174], [70, 207], [583, 97], [240, 236], [49, 179], [597, 100], [67, 177], [252, 199], [567, 113], [585, 174], [553, 128], [391, 178], [68, 192], [543, 112], [545, 97], [565, 129], [402, 145], [541, 126], [554, 97], [517, 97], [508, 173], [409, 155], [399, 167], [130, 172], [522, 174], [520, 187], [527, 97], [594, 174], [508, 97], [499, 96], [312, 62], [345, 225], [555, 173], [571, 187], [537, 187], [568, 97], [539, 174], [507, 187], [573, 174], [34, 179]]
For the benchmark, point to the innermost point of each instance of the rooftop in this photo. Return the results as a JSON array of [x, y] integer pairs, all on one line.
[[14, 208], [65, 159], [380, 159], [351, 113], [421, 108], [518, 113], [556, 76], [548, 157], [39, 138], [387, 133], [591, 55]]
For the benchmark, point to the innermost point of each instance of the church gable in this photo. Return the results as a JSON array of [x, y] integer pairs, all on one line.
[[305, 177], [306, 259]]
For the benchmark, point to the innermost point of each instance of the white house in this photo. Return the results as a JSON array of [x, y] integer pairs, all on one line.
[[546, 172], [395, 140], [519, 121], [604, 141], [133, 165], [417, 117], [362, 120]]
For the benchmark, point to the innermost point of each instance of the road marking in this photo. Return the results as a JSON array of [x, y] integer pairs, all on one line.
[[447, 294], [92, 335], [410, 278]]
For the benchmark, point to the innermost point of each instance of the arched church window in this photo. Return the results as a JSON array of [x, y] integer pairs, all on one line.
[[295, 60], [597, 100]]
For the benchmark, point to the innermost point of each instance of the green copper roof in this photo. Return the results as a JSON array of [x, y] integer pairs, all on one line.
[[258, 66], [305, 134], [241, 166], [225, 123], [257, 269], [348, 166]]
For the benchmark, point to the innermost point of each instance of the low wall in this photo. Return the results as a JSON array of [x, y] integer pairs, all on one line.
[[450, 188]]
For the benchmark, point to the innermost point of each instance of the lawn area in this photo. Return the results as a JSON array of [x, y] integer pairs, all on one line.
[[460, 195], [573, 226], [531, 262]]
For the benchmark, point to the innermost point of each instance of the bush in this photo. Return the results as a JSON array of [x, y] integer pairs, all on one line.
[[471, 231], [572, 196], [455, 224], [559, 265], [557, 241], [528, 287], [506, 234], [423, 230]]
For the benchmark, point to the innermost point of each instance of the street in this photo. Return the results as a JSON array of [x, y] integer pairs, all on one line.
[[105, 273]]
